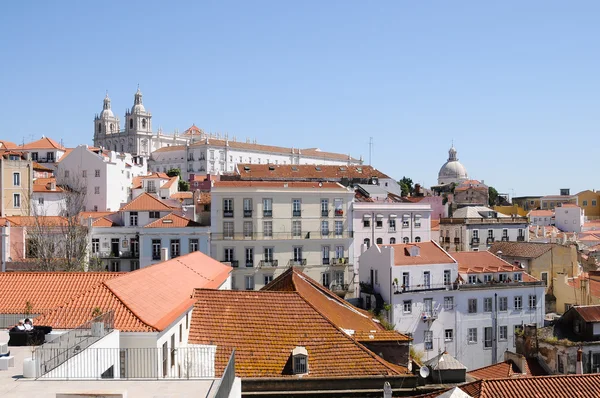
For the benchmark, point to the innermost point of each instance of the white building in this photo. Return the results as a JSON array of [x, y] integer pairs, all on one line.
[[469, 305], [264, 227], [452, 172], [134, 236], [47, 198], [106, 175], [475, 228], [543, 218], [569, 217], [44, 150]]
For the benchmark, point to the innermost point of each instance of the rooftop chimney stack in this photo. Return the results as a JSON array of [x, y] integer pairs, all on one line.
[[164, 254]]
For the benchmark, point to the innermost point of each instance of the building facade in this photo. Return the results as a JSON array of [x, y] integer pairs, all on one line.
[[469, 306], [569, 217], [262, 228], [543, 218], [16, 183], [589, 200]]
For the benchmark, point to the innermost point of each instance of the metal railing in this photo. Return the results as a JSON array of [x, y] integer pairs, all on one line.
[[425, 287], [281, 235], [92, 363], [462, 286], [340, 261], [267, 264], [227, 379], [57, 351], [60, 316], [233, 263], [299, 262]]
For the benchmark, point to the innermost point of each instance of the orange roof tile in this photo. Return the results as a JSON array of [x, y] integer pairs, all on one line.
[[429, 253], [247, 171], [7, 145], [136, 182], [45, 290], [204, 198], [277, 184], [172, 220], [39, 167], [339, 312], [26, 221], [193, 131], [163, 176], [589, 313], [484, 261], [182, 195], [264, 327], [497, 371], [43, 143], [569, 205], [169, 183], [43, 185], [95, 214], [146, 202], [103, 222], [435, 225], [541, 213]]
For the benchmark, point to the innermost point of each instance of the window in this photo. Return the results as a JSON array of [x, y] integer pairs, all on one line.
[[487, 304], [428, 306], [247, 229], [405, 221], [503, 333], [490, 234], [325, 280], [472, 306], [133, 218], [380, 241], [448, 335], [156, 249], [503, 304], [324, 228], [487, 278], [297, 255], [502, 278], [228, 230], [339, 228], [84, 173], [418, 221], [296, 208], [338, 204], [193, 245], [95, 245], [518, 277], [16, 200], [227, 207], [487, 337], [532, 301], [181, 332], [268, 279], [428, 339], [367, 242], [268, 229], [448, 303], [407, 306], [473, 279], [405, 240], [560, 367], [472, 335], [97, 173], [34, 156], [300, 364], [379, 222], [544, 276], [376, 277], [392, 225], [518, 303], [427, 279], [247, 207], [324, 207], [40, 201], [505, 233], [447, 277], [229, 255], [406, 280], [268, 255], [325, 255], [249, 279], [17, 179], [593, 203], [249, 257], [175, 248], [296, 228], [97, 190], [475, 234], [154, 214], [67, 173], [366, 221], [392, 241]]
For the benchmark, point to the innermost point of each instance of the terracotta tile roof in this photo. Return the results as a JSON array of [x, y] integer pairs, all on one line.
[[264, 327], [103, 222], [484, 262], [95, 214], [277, 184], [193, 131], [182, 195], [589, 313], [247, 171], [169, 183], [569, 205], [429, 253], [435, 225], [43, 185], [204, 198], [43, 143], [199, 178], [148, 299], [146, 202], [589, 238], [521, 249], [556, 386], [163, 176], [39, 167], [136, 182], [541, 213], [500, 370], [25, 221], [67, 152], [172, 220], [45, 290], [339, 312], [7, 145]]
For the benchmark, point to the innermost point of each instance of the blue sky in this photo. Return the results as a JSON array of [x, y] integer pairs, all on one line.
[[514, 83]]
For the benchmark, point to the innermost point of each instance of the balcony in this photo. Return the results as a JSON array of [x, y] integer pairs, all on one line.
[[520, 238], [326, 261], [428, 316], [391, 229], [490, 240], [228, 213], [446, 239], [282, 235], [296, 213], [457, 241], [297, 262], [268, 263], [340, 289], [249, 264], [156, 256], [324, 232], [505, 239], [247, 213], [498, 284], [233, 263], [474, 241], [267, 213], [425, 288], [324, 213], [339, 213], [340, 261]]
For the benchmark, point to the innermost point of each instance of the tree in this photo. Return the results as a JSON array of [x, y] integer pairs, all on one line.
[[183, 186], [493, 196], [174, 172], [406, 186]]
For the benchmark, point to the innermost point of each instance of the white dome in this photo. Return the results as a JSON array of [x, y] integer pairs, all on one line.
[[452, 171], [138, 108], [106, 113]]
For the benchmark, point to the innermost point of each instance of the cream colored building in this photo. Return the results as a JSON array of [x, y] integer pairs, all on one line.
[[264, 227], [16, 183]]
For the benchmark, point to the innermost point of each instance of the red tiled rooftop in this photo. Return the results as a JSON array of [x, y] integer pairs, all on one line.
[[172, 221], [170, 183], [277, 184], [43, 143], [146, 202], [247, 171], [429, 253], [486, 262], [541, 213]]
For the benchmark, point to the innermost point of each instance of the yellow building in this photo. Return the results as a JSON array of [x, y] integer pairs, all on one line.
[[16, 182], [527, 202], [589, 201], [512, 210], [583, 290]]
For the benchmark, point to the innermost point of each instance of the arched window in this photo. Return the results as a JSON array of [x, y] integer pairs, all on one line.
[[367, 242], [99, 127], [144, 123], [112, 127], [380, 241], [122, 150], [392, 241], [130, 123], [418, 239], [405, 240], [115, 147]]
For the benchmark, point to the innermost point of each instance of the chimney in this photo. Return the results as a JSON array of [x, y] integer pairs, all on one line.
[[579, 364], [53, 185], [164, 254]]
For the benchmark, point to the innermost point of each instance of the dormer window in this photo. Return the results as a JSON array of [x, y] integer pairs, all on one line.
[[518, 277], [300, 360], [472, 278]]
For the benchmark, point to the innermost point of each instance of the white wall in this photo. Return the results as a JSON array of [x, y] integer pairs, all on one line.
[[569, 219]]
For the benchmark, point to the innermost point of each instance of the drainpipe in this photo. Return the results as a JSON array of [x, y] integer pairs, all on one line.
[[412, 222], [372, 228], [494, 330]]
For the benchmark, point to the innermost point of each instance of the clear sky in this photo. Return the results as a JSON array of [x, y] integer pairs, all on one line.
[[514, 83]]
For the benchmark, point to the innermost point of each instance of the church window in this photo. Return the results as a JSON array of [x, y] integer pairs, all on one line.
[[112, 127], [99, 127], [144, 123], [130, 123]]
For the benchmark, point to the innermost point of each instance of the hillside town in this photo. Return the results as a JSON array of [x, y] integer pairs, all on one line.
[[201, 262]]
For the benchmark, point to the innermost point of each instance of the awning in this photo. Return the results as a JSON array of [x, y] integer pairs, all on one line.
[[367, 216], [379, 215], [393, 216]]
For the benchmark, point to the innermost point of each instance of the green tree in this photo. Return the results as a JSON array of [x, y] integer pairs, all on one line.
[[493, 196], [174, 172], [406, 186], [183, 186]]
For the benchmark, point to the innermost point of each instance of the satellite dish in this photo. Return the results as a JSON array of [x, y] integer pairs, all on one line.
[[424, 372]]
